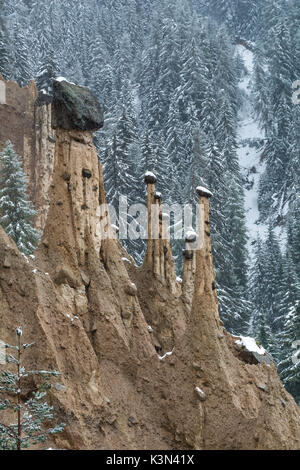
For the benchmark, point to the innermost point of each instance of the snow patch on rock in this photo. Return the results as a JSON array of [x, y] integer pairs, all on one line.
[[149, 173], [250, 344], [63, 79], [204, 191], [200, 393], [190, 236]]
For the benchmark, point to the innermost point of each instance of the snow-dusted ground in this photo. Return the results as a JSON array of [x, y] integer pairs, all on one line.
[[249, 157]]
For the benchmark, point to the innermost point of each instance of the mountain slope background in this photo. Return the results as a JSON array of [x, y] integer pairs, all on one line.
[[200, 93]]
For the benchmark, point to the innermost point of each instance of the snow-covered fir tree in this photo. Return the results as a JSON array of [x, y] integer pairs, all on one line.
[[32, 416], [16, 211], [47, 73], [265, 337], [21, 59], [293, 232], [277, 112], [5, 51], [289, 367], [257, 283], [273, 279]]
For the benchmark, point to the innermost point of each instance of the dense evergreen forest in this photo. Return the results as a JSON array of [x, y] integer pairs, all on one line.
[[171, 77]]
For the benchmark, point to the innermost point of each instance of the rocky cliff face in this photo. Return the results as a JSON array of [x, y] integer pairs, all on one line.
[[26, 121], [88, 311]]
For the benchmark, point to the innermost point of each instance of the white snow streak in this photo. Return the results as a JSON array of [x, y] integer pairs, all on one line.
[[63, 79], [249, 157], [165, 355], [250, 344]]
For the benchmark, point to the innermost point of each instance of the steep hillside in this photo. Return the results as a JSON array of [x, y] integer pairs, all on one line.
[[89, 311]]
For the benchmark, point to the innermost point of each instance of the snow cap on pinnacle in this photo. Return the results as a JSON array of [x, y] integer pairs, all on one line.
[[190, 236], [201, 191], [150, 177], [75, 107]]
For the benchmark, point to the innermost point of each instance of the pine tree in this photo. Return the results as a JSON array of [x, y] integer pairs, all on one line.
[[289, 289], [289, 367], [148, 160], [169, 59], [33, 414], [43, 35], [274, 276], [265, 337], [276, 185], [242, 17], [121, 64], [47, 73], [190, 90], [272, 14], [162, 167], [5, 53], [175, 147], [260, 91], [257, 283], [197, 164], [22, 66], [234, 276], [224, 11], [98, 63], [293, 232], [114, 167], [215, 179], [16, 211], [119, 176]]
